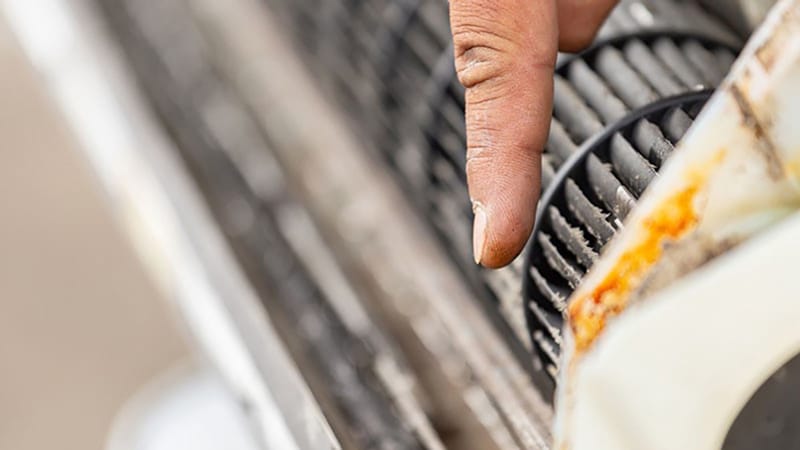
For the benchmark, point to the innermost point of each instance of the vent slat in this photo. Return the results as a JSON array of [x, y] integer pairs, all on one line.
[[608, 188], [596, 92], [704, 61], [650, 141], [673, 57], [572, 274], [590, 215], [652, 69], [554, 295], [548, 347], [551, 322], [676, 124], [548, 171], [631, 166], [576, 117], [559, 144], [624, 80], [572, 238]]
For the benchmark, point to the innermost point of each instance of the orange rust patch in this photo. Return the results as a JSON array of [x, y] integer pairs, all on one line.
[[676, 216]]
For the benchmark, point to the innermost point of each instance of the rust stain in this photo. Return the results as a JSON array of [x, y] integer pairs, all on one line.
[[792, 167], [759, 128], [672, 220], [769, 52]]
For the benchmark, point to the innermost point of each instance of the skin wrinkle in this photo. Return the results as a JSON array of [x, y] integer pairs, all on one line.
[[505, 53], [468, 33]]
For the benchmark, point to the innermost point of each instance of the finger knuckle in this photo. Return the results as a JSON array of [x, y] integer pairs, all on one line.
[[480, 61], [481, 46]]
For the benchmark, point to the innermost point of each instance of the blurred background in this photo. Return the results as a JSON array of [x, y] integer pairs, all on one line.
[[81, 326]]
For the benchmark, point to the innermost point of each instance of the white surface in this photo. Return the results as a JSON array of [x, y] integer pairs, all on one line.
[[673, 372], [186, 410]]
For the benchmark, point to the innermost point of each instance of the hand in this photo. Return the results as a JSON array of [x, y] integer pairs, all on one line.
[[505, 52]]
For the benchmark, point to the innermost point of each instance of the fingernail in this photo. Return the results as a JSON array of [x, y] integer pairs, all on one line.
[[478, 231]]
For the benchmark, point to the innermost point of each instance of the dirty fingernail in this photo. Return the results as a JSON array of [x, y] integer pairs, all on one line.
[[478, 231]]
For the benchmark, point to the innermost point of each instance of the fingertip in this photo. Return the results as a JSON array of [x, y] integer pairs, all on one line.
[[499, 248], [502, 228], [479, 229]]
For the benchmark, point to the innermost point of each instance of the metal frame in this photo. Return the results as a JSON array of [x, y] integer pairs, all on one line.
[[158, 204]]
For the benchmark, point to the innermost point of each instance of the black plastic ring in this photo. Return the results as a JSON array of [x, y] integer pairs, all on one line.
[[574, 164]]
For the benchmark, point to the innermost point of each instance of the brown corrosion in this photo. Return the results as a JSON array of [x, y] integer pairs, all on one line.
[[769, 52], [673, 219]]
